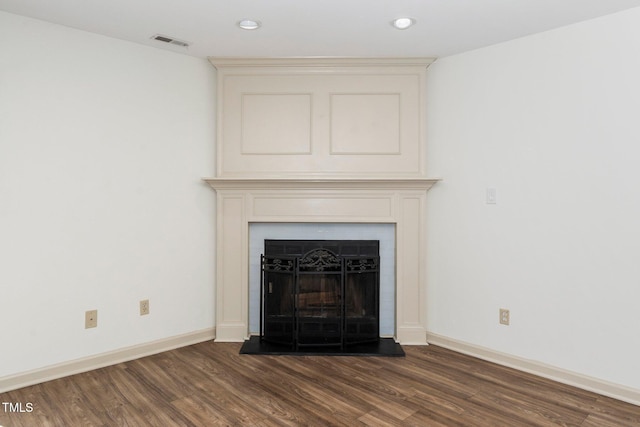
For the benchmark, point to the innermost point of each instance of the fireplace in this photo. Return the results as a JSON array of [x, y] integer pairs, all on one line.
[[242, 202], [321, 140], [320, 293]]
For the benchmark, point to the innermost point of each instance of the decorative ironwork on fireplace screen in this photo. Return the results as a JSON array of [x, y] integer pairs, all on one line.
[[320, 293]]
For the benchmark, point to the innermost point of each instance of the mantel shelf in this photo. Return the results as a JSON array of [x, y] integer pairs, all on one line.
[[323, 183]]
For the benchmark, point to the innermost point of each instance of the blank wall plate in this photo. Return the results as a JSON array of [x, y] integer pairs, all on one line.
[[90, 319]]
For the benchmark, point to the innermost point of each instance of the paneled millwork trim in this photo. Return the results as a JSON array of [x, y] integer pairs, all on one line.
[[305, 117], [397, 201]]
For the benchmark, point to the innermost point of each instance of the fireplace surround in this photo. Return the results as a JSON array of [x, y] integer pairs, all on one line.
[[240, 202], [320, 140]]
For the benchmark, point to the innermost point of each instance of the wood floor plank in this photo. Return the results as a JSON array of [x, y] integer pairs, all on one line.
[[519, 408], [291, 391], [211, 384], [380, 419], [599, 421], [617, 411], [424, 418], [338, 378], [456, 411], [73, 409]]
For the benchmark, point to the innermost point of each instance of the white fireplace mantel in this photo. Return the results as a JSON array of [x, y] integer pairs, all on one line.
[[320, 140], [397, 201]]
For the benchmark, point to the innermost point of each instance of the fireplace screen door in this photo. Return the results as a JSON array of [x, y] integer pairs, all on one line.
[[321, 298]]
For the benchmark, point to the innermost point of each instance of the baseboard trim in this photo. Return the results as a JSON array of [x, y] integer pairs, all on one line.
[[89, 363], [616, 391]]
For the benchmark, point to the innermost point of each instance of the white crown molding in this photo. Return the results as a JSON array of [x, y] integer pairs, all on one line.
[[320, 61]]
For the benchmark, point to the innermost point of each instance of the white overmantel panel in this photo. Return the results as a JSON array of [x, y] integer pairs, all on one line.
[[242, 201], [321, 117]]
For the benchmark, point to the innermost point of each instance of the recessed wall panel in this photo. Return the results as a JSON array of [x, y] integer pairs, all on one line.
[[365, 123], [322, 206], [276, 124], [321, 118]]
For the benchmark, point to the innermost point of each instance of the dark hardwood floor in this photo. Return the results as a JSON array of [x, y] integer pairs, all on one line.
[[210, 384]]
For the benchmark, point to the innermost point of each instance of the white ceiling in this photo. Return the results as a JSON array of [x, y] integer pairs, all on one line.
[[317, 28]]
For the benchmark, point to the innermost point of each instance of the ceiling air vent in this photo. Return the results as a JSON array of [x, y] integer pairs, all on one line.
[[170, 40]]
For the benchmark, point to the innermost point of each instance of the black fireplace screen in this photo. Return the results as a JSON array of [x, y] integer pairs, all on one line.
[[320, 293]]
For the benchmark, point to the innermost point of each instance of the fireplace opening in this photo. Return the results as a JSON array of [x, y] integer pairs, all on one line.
[[320, 293]]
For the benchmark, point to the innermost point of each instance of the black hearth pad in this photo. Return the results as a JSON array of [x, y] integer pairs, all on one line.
[[385, 347]]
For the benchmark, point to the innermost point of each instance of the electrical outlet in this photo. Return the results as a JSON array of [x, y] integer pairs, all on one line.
[[90, 319], [504, 316], [144, 307]]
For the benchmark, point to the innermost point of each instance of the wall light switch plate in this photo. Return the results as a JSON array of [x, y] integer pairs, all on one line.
[[491, 196]]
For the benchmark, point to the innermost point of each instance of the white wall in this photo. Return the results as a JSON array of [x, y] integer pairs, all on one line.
[[552, 122], [103, 143], [102, 147]]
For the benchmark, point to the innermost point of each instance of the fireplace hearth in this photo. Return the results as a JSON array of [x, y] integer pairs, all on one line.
[[320, 297]]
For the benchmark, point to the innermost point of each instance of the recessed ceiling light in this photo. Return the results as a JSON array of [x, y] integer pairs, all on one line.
[[249, 24], [403, 23]]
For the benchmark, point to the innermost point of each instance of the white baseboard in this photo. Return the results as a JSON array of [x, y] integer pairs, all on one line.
[[77, 366], [584, 382], [89, 363]]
